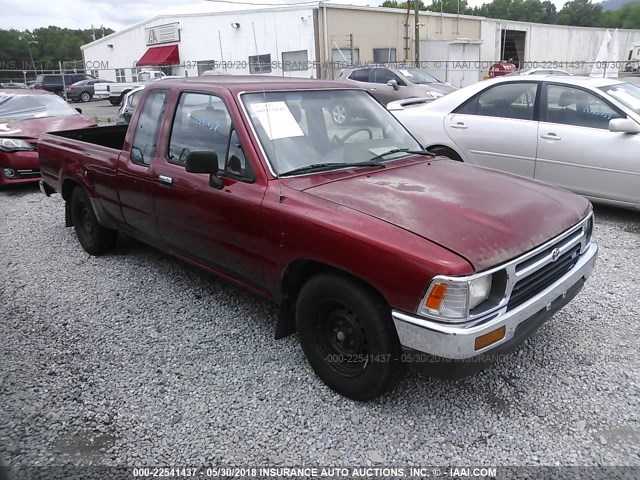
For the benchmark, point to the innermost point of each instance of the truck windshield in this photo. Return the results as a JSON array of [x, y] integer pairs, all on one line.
[[298, 129], [17, 107]]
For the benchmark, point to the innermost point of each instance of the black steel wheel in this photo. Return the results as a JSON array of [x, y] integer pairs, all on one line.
[[93, 237], [346, 333]]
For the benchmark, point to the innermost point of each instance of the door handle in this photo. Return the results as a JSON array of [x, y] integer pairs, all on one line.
[[165, 180], [550, 136], [459, 126]]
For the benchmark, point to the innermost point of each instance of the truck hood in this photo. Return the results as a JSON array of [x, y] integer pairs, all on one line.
[[485, 216], [32, 128]]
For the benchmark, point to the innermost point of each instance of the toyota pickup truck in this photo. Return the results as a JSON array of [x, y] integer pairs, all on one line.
[[379, 254]]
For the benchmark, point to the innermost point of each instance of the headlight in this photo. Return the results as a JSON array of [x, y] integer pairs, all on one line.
[[587, 229], [15, 145], [452, 300]]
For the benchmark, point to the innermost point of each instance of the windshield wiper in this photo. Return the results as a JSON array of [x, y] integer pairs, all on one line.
[[318, 167], [402, 150]]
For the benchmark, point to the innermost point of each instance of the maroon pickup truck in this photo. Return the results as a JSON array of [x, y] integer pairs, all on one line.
[[379, 254]]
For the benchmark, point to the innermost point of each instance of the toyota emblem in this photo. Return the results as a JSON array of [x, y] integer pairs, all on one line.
[[555, 254]]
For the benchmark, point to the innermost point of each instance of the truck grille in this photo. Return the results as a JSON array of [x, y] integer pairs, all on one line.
[[533, 284]]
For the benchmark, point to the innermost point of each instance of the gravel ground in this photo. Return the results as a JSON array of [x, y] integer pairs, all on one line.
[[137, 358]]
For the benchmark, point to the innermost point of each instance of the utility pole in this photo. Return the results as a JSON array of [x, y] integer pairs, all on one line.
[[351, 47], [417, 35]]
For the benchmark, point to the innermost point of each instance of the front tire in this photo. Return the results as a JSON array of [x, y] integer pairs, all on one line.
[[348, 337], [85, 97], [94, 238]]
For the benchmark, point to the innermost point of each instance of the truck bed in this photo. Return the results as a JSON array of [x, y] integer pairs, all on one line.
[[111, 137]]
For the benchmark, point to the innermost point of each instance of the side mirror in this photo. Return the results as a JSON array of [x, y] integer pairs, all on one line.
[[624, 125], [205, 162], [394, 84], [79, 110]]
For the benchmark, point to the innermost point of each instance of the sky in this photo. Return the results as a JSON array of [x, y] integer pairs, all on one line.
[[117, 14]]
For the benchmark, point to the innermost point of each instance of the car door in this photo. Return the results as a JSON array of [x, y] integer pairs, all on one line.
[[498, 127], [577, 151], [217, 228], [135, 168], [381, 91]]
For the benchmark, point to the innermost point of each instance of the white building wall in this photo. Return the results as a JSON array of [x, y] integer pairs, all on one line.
[[575, 47], [206, 37]]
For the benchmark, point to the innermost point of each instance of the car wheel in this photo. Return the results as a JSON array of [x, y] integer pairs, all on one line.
[[339, 114], [446, 152], [348, 337], [115, 101], [85, 97], [94, 238]]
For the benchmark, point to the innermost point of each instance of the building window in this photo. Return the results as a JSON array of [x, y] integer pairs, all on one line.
[[134, 74], [204, 65], [343, 56], [95, 73], [120, 76], [384, 55], [260, 64], [295, 61]]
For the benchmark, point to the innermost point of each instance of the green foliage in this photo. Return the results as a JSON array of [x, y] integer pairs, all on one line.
[[48, 45], [403, 5], [583, 13]]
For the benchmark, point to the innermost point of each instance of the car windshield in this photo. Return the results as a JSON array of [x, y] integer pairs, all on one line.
[[297, 129], [417, 75], [625, 93], [26, 107]]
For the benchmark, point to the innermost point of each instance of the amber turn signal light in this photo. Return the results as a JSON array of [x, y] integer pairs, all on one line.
[[491, 337], [435, 296]]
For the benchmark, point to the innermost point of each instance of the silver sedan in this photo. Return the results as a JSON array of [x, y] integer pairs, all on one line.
[[578, 133]]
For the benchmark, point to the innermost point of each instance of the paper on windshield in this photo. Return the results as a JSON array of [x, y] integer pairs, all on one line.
[[625, 98], [277, 120], [406, 73]]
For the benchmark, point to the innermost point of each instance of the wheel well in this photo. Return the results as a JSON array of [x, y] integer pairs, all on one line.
[[294, 277], [67, 188], [450, 152]]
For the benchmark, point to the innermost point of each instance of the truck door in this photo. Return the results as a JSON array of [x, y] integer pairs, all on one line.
[[217, 228], [135, 172]]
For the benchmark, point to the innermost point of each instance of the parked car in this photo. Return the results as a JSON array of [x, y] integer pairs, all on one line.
[[538, 71], [378, 253], [24, 115], [53, 83], [115, 91], [389, 84], [129, 103], [82, 91], [6, 85], [578, 133]]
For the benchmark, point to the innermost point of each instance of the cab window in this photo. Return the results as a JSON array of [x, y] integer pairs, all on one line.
[[143, 147], [202, 123]]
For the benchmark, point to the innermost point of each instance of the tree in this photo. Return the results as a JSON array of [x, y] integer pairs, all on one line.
[[450, 6], [403, 5], [581, 13]]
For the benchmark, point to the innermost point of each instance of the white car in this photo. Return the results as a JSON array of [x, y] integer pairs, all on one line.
[[538, 71], [578, 133]]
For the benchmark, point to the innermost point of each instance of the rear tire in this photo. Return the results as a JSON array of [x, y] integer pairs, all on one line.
[[340, 114], [348, 337], [115, 101], [446, 152], [85, 97], [94, 238]]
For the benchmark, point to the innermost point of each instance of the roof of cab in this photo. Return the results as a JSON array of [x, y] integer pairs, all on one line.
[[245, 83]]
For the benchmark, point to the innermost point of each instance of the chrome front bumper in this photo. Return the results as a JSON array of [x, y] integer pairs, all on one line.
[[457, 341]]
